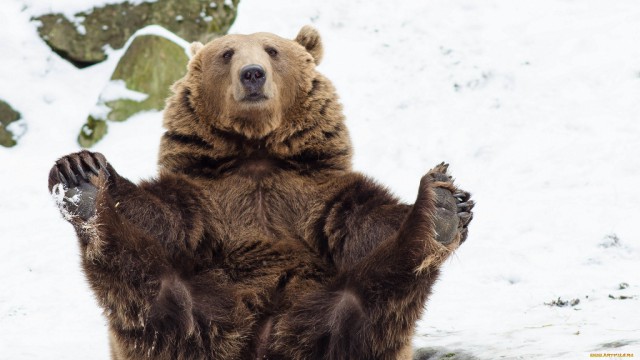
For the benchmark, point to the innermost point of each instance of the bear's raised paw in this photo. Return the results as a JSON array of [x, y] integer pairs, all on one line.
[[73, 181], [453, 206]]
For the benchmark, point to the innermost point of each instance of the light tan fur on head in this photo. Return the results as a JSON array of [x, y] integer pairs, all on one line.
[[215, 69]]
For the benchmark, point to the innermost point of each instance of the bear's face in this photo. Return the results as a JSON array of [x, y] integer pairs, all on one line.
[[248, 83]]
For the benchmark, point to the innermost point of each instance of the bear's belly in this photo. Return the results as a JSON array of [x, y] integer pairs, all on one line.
[[270, 278]]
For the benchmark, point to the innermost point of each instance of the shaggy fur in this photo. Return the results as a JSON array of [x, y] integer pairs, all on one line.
[[256, 240]]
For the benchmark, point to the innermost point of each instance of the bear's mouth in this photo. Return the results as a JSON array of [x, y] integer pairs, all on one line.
[[255, 97]]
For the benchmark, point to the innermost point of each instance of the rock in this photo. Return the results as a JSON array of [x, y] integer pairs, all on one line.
[[7, 116], [140, 82], [81, 40], [92, 132], [438, 353], [150, 66]]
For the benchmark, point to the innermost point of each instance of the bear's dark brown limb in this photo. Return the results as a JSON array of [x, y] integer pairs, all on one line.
[[364, 214]]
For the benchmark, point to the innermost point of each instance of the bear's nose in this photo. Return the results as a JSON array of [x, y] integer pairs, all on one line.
[[252, 76]]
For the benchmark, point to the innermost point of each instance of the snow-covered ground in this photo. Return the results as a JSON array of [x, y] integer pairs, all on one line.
[[536, 105]]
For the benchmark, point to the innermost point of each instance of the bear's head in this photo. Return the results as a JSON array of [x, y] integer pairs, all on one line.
[[260, 90], [246, 83]]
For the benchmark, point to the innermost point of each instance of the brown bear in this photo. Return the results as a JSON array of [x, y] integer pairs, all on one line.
[[257, 240]]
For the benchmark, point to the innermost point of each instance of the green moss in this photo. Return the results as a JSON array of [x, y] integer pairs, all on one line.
[[7, 116], [92, 132], [150, 65]]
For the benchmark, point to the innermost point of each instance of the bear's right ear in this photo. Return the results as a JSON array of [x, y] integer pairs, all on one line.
[[309, 37], [195, 47]]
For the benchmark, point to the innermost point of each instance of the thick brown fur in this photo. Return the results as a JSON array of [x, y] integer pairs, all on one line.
[[257, 240]]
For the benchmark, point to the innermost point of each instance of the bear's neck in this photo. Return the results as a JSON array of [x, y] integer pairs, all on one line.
[[231, 152]]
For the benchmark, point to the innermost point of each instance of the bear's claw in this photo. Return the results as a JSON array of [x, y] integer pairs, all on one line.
[[73, 169], [466, 206], [453, 206], [462, 195]]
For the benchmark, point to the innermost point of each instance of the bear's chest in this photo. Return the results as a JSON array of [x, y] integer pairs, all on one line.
[[272, 204]]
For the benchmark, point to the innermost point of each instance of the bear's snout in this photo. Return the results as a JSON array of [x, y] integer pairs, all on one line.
[[253, 78]]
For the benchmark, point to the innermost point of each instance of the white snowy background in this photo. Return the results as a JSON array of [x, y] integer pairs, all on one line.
[[535, 104]]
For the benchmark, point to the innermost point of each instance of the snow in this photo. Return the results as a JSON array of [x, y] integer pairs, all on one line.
[[117, 90], [58, 195], [17, 128], [158, 30], [534, 105], [78, 22]]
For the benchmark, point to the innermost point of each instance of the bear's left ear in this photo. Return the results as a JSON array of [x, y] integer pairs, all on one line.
[[195, 47], [310, 39]]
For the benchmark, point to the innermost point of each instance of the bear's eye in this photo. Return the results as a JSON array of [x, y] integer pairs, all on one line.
[[227, 55], [271, 51]]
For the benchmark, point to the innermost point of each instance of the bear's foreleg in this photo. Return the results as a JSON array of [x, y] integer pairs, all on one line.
[[170, 209], [363, 214], [126, 257]]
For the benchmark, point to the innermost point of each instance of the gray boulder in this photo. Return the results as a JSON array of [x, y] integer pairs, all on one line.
[[81, 40]]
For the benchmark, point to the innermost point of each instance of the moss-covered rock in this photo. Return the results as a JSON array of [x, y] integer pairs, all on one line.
[[140, 82], [81, 40], [92, 132], [7, 116], [437, 353]]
